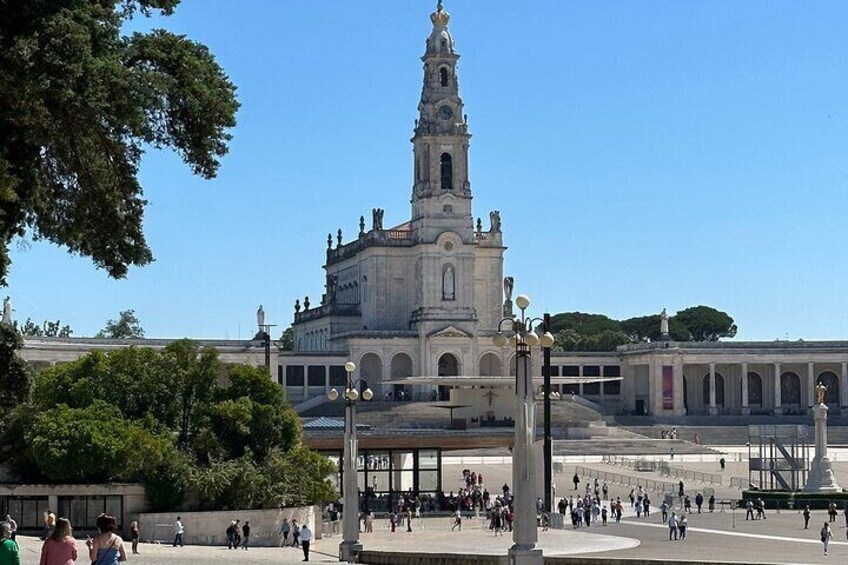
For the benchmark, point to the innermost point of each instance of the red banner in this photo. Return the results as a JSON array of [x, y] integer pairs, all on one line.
[[668, 387]]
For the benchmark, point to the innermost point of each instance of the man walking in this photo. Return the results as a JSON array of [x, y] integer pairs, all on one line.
[[246, 531], [178, 532], [305, 540], [672, 526], [576, 481]]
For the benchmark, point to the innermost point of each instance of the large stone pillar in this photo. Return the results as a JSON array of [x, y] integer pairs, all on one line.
[[713, 407], [525, 533], [778, 409], [745, 408], [811, 385], [679, 400], [820, 478]]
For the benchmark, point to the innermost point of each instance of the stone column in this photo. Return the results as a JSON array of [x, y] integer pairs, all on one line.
[[811, 385], [745, 408], [843, 385], [713, 407], [679, 400], [525, 532], [820, 478], [778, 410]]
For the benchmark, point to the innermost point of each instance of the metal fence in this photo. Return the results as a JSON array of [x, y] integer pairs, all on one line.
[[686, 474], [625, 480]]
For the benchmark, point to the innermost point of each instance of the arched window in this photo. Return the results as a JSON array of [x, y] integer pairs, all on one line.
[[443, 76], [755, 389], [719, 389], [831, 381], [790, 388], [447, 171]]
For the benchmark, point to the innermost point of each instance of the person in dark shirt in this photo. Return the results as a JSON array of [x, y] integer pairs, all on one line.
[[245, 530]]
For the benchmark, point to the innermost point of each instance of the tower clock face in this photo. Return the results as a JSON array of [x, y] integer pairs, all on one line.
[[445, 112]]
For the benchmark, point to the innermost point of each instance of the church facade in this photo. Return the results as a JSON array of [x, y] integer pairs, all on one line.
[[416, 305]]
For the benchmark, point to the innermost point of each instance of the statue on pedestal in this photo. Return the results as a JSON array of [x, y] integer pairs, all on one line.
[[821, 393], [7, 311], [260, 318], [664, 324]]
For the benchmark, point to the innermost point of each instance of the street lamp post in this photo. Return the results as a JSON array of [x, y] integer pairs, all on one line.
[[548, 445], [350, 546], [525, 534]]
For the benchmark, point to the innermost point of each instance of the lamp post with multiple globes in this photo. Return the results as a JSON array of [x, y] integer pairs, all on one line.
[[350, 546], [520, 334]]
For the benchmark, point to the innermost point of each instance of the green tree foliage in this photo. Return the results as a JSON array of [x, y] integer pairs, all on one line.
[[15, 378], [577, 331], [46, 329], [197, 434], [707, 324], [79, 103], [287, 340], [127, 326]]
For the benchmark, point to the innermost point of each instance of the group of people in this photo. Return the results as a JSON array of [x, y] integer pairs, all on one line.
[[60, 547]]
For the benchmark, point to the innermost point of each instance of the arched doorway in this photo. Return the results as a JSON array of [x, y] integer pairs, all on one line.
[[719, 389], [371, 370], [448, 367], [490, 365], [755, 390], [790, 389], [831, 381], [401, 368]]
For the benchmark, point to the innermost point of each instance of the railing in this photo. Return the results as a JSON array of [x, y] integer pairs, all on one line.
[[626, 480], [745, 482], [637, 464], [689, 475]]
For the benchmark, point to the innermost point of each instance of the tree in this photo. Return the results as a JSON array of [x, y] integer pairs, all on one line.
[[15, 378], [582, 323], [707, 324], [46, 329], [79, 103], [126, 326], [192, 371], [287, 340]]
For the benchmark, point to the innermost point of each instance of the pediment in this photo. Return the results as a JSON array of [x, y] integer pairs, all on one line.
[[450, 331]]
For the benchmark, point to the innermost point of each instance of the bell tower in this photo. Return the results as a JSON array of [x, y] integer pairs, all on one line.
[[441, 194]]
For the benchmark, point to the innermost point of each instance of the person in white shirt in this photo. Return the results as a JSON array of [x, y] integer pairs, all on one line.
[[672, 526], [178, 532], [305, 539]]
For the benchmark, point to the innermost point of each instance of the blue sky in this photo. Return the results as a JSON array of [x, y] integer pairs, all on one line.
[[642, 154]]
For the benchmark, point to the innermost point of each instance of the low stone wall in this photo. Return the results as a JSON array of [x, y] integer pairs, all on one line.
[[209, 528]]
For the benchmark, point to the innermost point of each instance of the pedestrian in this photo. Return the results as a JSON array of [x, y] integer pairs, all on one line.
[[826, 536], [711, 503], [284, 529], [605, 490], [672, 526], [749, 510], [722, 462], [806, 517], [134, 536], [237, 535], [9, 551], [49, 524], [108, 547], [295, 533], [672, 453], [681, 525], [687, 504], [664, 510], [408, 519], [457, 521], [699, 500], [393, 520], [369, 521], [246, 531], [231, 534], [831, 511], [646, 506], [14, 525], [60, 548], [639, 508], [305, 540], [178, 532], [680, 491], [575, 480], [604, 515]]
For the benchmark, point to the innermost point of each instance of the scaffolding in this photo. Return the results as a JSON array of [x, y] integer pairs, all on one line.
[[778, 457]]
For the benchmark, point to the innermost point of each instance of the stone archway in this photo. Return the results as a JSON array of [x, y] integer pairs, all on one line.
[[490, 365], [371, 370], [719, 389], [448, 367], [831, 381], [755, 390], [790, 389], [401, 368]]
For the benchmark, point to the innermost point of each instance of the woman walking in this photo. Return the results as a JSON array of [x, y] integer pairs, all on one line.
[[108, 547], [134, 535], [60, 548], [826, 536]]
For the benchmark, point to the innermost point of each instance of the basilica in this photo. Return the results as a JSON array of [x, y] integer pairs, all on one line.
[[415, 307]]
